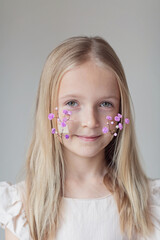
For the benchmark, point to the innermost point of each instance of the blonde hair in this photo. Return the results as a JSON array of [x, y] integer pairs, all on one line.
[[45, 168]]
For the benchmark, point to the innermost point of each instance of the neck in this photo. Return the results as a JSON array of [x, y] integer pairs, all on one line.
[[84, 168]]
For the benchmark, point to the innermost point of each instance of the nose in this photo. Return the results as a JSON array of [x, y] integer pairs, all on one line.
[[90, 119]]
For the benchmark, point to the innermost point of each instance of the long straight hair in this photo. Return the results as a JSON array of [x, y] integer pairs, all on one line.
[[45, 168]]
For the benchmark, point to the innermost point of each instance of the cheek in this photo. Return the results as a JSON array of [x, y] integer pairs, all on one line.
[[63, 122], [111, 123], [108, 139], [73, 127], [112, 126]]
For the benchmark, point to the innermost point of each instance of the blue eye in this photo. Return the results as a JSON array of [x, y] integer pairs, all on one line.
[[71, 105], [108, 104]]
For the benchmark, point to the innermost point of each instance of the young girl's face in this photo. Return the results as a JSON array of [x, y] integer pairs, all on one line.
[[90, 93]]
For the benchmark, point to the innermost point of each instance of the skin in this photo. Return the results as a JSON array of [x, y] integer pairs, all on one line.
[[9, 235], [85, 162]]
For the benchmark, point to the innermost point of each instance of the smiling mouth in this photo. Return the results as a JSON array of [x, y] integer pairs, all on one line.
[[84, 138]]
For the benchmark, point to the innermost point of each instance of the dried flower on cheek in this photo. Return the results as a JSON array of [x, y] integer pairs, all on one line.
[[62, 122], [110, 121]]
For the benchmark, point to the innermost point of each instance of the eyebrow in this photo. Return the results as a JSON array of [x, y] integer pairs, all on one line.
[[79, 96]]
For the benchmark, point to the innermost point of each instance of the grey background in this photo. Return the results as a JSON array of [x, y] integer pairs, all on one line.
[[31, 29]]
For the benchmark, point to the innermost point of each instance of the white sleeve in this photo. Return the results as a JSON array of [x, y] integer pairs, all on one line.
[[12, 214], [154, 208]]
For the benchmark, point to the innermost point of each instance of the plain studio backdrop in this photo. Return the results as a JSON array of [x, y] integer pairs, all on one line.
[[29, 32]]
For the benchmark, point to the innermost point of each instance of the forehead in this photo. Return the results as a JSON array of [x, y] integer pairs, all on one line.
[[87, 79]]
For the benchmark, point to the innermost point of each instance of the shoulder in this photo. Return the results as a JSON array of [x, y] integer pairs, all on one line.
[[154, 185], [154, 199], [154, 205], [12, 214]]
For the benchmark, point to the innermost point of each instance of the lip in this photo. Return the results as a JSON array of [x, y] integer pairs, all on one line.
[[91, 139]]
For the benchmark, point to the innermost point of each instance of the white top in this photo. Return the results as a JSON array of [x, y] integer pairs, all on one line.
[[83, 219]]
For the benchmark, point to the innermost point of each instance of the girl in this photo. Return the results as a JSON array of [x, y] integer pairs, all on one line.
[[84, 179]]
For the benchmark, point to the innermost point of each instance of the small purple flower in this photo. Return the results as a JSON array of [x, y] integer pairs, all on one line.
[[115, 134], [105, 130], [53, 130], [50, 116], [63, 124], [65, 119], [69, 112], [65, 111], [109, 118], [120, 126], [119, 115], [66, 136], [117, 119], [126, 120]]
